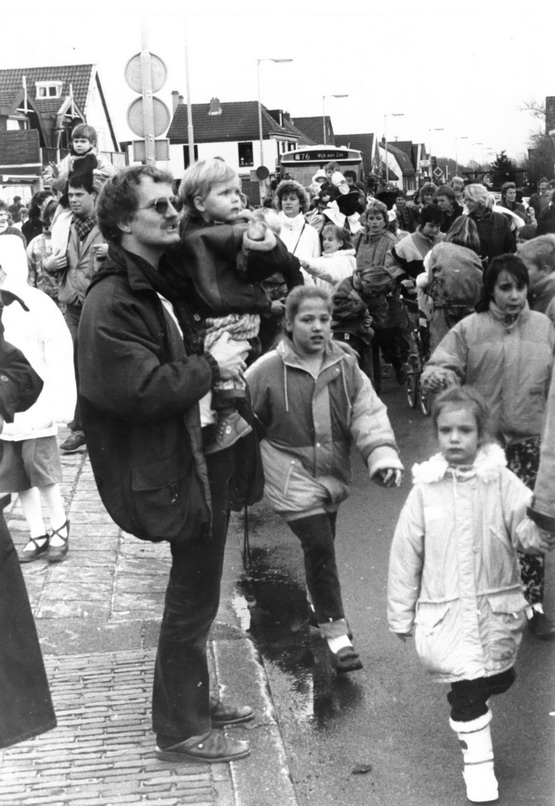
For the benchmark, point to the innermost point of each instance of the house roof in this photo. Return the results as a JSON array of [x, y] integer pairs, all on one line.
[[361, 142], [406, 146], [238, 121], [403, 161], [79, 76], [313, 128]]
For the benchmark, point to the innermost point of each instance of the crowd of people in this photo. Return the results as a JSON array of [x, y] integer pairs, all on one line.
[[193, 329]]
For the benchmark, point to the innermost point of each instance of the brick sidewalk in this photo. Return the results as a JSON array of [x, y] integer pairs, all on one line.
[[98, 615]]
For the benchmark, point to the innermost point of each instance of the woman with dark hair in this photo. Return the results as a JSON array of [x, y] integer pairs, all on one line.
[[299, 237], [452, 277], [34, 225], [505, 351], [315, 404], [509, 202]]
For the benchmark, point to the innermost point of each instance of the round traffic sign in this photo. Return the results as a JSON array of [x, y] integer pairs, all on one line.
[[135, 117], [133, 73], [262, 173]]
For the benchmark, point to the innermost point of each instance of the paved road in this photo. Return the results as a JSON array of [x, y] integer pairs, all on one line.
[[380, 737]]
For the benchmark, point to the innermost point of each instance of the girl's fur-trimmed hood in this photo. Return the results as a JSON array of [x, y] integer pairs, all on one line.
[[490, 459]]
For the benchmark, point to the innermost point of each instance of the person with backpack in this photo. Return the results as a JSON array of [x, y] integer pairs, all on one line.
[[452, 277]]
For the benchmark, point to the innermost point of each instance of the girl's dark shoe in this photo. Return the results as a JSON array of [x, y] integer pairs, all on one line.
[[57, 553], [35, 548], [345, 660]]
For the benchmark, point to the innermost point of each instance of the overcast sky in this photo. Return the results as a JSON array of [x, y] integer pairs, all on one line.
[[468, 71]]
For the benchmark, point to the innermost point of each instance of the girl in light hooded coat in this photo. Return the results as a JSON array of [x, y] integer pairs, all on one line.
[[454, 574], [30, 464]]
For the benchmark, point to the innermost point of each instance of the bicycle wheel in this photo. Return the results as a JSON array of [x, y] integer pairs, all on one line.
[[425, 401], [412, 390]]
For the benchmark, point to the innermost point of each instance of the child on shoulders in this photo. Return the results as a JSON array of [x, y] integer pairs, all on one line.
[[83, 160]]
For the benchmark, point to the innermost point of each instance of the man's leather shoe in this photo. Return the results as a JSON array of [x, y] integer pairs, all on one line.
[[212, 748], [229, 714], [541, 626]]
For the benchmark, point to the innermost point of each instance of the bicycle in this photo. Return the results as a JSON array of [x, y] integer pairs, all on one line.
[[418, 356]]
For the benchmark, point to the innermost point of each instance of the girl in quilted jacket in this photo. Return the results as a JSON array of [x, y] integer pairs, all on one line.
[[314, 404], [454, 574]]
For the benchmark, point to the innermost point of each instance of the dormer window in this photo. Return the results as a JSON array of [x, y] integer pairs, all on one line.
[[49, 89]]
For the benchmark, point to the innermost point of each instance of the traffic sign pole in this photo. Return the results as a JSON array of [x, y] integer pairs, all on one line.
[[148, 105]]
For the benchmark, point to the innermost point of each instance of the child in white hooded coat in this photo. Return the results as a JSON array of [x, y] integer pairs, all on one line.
[[454, 574], [30, 464]]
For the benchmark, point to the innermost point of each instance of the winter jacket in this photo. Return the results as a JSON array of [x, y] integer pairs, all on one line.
[[350, 313], [546, 220], [300, 239], [544, 295], [42, 336], [494, 231], [453, 570], [411, 250], [81, 267], [25, 704], [67, 167], [542, 509], [333, 267], [210, 256], [509, 364], [310, 424], [139, 392]]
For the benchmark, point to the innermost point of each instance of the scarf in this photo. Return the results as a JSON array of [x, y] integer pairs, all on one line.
[[83, 226]]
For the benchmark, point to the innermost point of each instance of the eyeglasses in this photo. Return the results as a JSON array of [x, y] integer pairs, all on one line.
[[162, 205]]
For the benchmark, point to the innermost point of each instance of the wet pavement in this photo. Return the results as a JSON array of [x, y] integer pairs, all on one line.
[[98, 615]]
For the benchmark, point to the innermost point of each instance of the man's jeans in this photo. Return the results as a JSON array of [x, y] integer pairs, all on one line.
[[181, 695]]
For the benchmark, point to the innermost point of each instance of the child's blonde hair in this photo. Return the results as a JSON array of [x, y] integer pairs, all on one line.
[[464, 397], [199, 178]]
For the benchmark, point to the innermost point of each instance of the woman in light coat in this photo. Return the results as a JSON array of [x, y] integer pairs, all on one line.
[[505, 350], [300, 238], [30, 464]]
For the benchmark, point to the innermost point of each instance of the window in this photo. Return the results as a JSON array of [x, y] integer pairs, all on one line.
[[49, 89], [245, 154]]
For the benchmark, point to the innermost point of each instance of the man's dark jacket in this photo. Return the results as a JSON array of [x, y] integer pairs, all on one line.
[[139, 391]]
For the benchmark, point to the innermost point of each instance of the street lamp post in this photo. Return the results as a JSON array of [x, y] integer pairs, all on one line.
[[342, 95], [473, 160], [260, 132], [388, 115], [461, 137], [440, 129]]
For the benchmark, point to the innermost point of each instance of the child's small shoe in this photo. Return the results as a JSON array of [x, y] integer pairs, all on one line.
[[58, 550], [35, 548], [230, 428]]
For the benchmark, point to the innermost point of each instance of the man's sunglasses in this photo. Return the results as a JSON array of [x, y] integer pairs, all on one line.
[[161, 205]]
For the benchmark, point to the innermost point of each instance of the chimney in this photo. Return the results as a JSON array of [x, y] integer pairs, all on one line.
[[175, 100], [181, 99], [215, 108]]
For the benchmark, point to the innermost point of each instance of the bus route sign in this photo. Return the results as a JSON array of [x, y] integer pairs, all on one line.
[[323, 155]]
